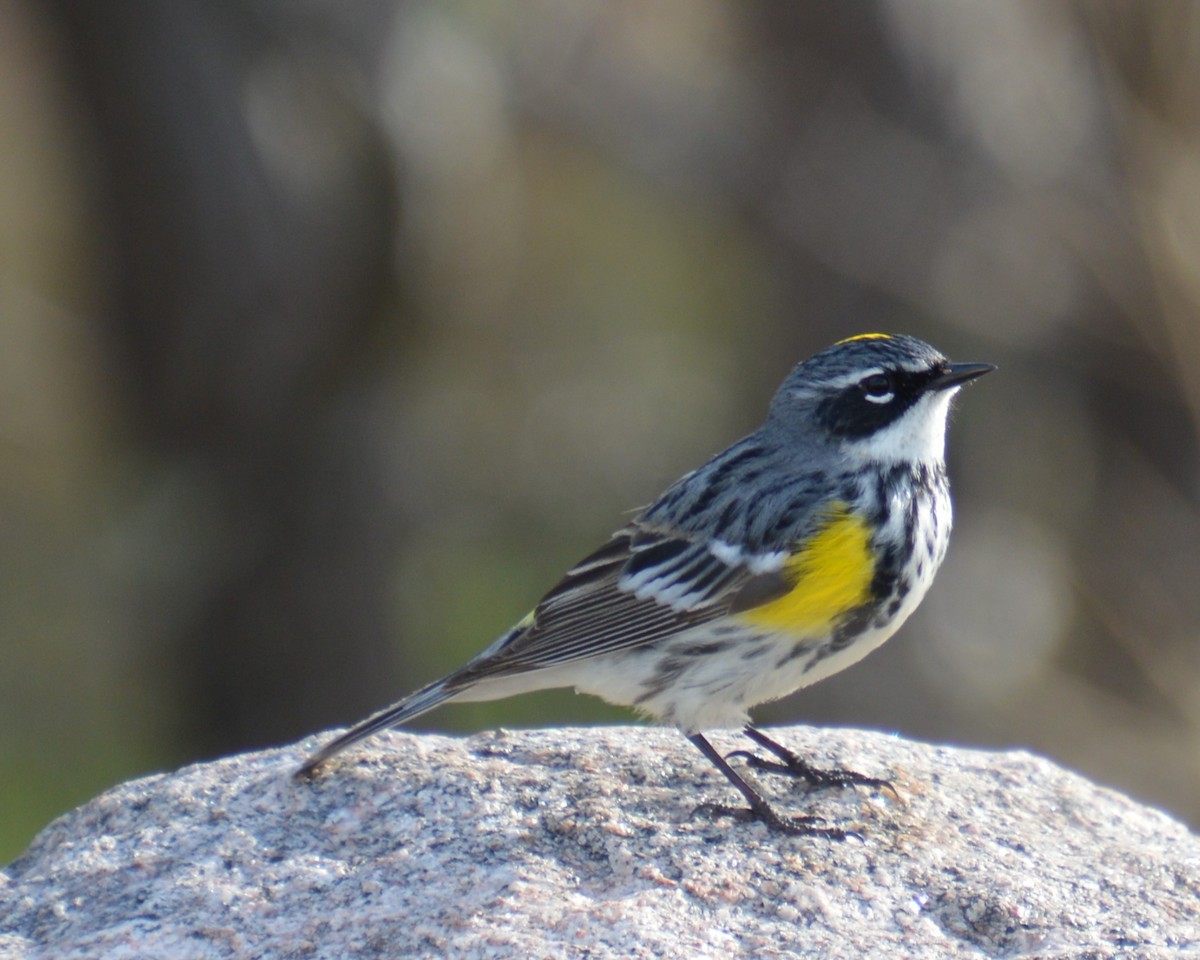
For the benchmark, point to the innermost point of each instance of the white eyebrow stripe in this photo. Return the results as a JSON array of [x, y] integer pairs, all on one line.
[[850, 379]]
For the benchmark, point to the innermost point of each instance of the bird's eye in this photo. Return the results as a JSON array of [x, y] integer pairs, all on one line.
[[877, 388]]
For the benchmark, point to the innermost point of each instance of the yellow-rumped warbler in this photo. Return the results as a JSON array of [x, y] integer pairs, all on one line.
[[784, 559]]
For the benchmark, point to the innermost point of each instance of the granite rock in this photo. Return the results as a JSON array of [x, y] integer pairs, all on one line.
[[587, 843]]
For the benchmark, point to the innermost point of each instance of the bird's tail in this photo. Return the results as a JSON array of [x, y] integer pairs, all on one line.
[[411, 706]]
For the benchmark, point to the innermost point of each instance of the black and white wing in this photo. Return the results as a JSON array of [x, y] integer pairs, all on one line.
[[640, 587]]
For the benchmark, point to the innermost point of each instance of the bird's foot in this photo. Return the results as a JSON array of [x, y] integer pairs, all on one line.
[[790, 764], [798, 826]]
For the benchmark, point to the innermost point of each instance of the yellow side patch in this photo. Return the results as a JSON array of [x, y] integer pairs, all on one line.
[[831, 574], [866, 336]]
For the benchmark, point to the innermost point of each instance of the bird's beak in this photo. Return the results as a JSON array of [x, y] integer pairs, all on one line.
[[956, 374]]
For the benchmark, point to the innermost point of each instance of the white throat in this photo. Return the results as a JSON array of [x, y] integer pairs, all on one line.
[[918, 436]]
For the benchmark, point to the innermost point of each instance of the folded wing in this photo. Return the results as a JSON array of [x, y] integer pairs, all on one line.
[[640, 587]]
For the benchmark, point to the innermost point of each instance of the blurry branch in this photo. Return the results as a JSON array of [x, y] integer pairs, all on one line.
[[244, 199]]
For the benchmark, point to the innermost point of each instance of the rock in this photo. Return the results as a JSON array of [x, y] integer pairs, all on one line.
[[584, 843]]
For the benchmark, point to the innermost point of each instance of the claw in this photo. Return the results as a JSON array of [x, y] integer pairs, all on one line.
[[792, 765], [759, 809], [798, 826]]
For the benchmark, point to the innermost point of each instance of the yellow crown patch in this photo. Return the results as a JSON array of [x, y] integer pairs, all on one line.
[[865, 336]]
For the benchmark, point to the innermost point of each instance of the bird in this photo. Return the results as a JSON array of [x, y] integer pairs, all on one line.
[[783, 559]]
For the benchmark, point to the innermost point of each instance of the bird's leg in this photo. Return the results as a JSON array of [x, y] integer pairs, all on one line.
[[759, 809], [792, 765]]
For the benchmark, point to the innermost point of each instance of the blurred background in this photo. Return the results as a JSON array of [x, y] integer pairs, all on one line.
[[330, 334]]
